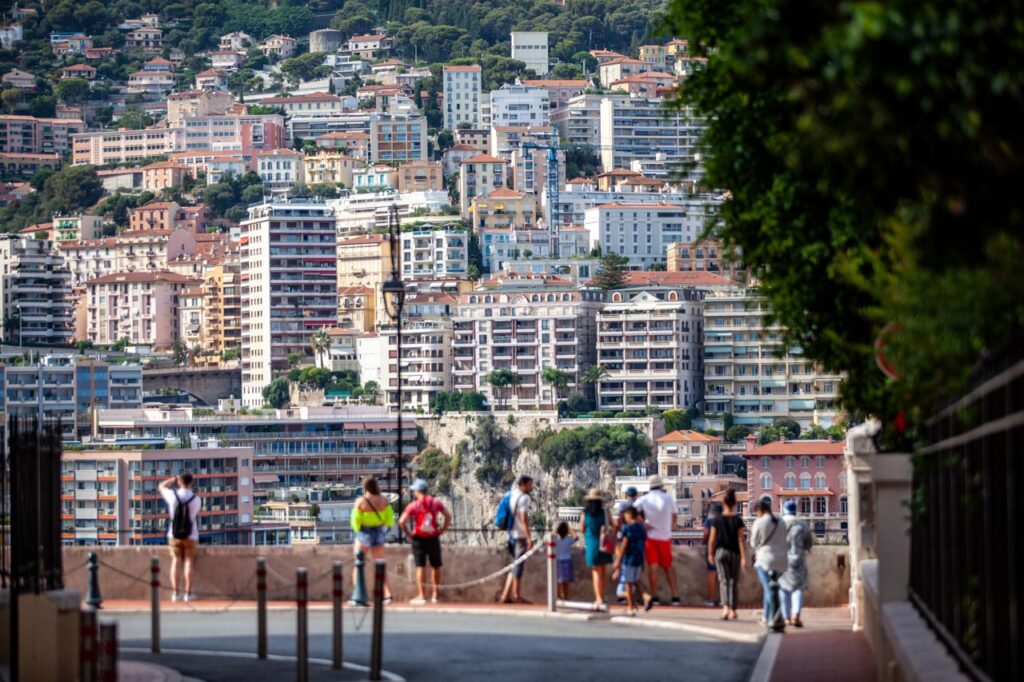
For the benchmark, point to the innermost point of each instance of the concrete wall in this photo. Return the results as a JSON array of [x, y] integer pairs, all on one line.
[[229, 572], [209, 385]]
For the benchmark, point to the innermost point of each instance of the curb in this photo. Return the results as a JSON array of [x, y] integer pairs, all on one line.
[[762, 671], [704, 630]]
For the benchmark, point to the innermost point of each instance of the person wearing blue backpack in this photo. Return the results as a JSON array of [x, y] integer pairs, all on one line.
[[514, 516]]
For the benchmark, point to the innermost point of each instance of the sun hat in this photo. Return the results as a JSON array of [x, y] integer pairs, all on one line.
[[655, 482], [594, 494]]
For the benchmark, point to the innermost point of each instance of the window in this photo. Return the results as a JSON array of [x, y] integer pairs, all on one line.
[[805, 481], [842, 480], [790, 482], [843, 505], [820, 505], [805, 505], [819, 482], [766, 481], [805, 462], [819, 462], [790, 462], [766, 462]]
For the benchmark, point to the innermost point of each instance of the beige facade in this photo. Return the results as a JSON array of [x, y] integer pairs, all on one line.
[[503, 208], [130, 252], [480, 175], [141, 307], [203, 102], [330, 168], [365, 262], [163, 175], [420, 176], [705, 255], [426, 361]]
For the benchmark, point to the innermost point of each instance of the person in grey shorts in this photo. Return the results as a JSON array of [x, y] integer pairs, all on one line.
[[727, 550]]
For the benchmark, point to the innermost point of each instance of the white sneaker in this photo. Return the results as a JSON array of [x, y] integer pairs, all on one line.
[[418, 601], [190, 597], [174, 596]]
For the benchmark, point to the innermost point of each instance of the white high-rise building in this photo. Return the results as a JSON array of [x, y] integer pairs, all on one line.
[[519, 105], [430, 253], [462, 97], [35, 291], [641, 129], [289, 286], [531, 48], [641, 232]]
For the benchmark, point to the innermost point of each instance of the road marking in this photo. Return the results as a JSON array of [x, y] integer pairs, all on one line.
[[717, 633], [392, 677], [766, 659]]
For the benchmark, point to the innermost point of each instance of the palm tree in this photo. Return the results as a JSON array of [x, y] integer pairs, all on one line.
[[321, 344], [555, 378], [371, 390], [595, 374], [500, 379]]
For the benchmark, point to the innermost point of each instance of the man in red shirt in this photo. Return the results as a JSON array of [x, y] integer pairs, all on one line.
[[430, 518]]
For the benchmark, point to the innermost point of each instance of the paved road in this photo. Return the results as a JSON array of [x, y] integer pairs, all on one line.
[[424, 647]]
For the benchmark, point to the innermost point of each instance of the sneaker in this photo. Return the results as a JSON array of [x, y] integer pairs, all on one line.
[[190, 598], [418, 601], [655, 601], [676, 602], [174, 596], [620, 600], [648, 603], [435, 600]]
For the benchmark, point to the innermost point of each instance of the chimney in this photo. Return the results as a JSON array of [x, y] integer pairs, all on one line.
[[751, 442], [782, 437]]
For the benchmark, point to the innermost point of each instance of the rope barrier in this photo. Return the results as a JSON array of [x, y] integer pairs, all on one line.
[[480, 581]]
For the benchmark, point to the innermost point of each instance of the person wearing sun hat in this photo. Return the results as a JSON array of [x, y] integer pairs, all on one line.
[[595, 526], [659, 510]]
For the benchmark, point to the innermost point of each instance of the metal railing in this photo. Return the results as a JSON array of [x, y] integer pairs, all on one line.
[[965, 533]]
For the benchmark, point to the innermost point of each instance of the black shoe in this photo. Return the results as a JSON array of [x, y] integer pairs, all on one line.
[[620, 600], [676, 602], [655, 601], [648, 603]]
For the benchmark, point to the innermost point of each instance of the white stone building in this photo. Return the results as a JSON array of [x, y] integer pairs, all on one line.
[[461, 96], [426, 361], [520, 105], [434, 252], [531, 48], [35, 289]]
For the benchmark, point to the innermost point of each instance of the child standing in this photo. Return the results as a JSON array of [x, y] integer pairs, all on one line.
[[629, 560], [563, 559]]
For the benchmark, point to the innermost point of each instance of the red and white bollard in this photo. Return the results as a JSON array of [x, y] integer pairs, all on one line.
[[107, 660], [90, 641], [552, 576]]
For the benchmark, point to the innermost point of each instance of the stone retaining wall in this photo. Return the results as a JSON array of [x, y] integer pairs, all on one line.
[[229, 572]]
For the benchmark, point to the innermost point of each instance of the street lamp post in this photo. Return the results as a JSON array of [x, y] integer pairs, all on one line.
[[393, 292]]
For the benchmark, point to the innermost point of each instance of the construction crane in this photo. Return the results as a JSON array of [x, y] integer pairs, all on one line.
[[551, 187]]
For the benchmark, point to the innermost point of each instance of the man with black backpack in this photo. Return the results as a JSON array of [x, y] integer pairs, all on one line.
[[183, 530]]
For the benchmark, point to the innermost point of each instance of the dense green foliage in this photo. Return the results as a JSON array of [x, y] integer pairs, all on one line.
[[611, 272], [489, 447], [276, 393], [68, 191], [437, 468], [874, 153], [457, 401], [679, 420], [569, 447]]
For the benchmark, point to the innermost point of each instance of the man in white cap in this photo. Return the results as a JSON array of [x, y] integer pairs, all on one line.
[[430, 518], [659, 510]]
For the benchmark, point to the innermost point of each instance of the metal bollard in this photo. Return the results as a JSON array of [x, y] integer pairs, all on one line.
[[90, 642], [94, 598], [359, 594], [107, 660], [581, 606], [154, 604], [338, 595], [302, 638], [377, 639], [552, 578], [261, 608]]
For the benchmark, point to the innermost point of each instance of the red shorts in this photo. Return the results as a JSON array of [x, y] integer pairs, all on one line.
[[658, 553]]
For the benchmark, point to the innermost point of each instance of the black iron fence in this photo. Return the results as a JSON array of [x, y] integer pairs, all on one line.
[[966, 532]]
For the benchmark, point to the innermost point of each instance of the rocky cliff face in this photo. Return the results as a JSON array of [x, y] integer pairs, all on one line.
[[474, 502]]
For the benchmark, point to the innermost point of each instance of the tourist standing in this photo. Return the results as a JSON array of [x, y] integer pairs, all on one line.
[[793, 582], [629, 560], [727, 551], [183, 505], [768, 538], [659, 510], [563, 559], [430, 519], [520, 540], [371, 517], [710, 578], [595, 526], [621, 506]]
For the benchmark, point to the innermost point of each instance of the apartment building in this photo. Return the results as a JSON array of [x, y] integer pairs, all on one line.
[[222, 307], [431, 253], [35, 288], [396, 138], [520, 105], [192, 103], [237, 40], [31, 135], [362, 212], [148, 39], [67, 388], [139, 306], [420, 176], [364, 263], [705, 255], [289, 286], [462, 95], [639, 232], [145, 250], [579, 120], [479, 175], [279, 169], [279, 46], [560, 91], [164, 175], [212, 80], [654, 56], [330, 168], [619, 68], [26, 165], [300, 447], [110, 496], [628, 187], [751, 373], [234, 132], [70, 228], [523, 324], [531, 48], [314, 126], [123, 146], [309, 103], [354, 143], [649, 341], [503, 208], [147, 82], [426, 362], [639, 128]]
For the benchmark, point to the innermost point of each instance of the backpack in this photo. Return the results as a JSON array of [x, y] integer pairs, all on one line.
[[504, 519], [181, 524], [426, 524]]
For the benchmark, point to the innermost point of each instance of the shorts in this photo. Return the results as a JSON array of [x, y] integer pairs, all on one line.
[[373, 536], [517, 548], [183, 549], [565, 571], [659, 553], [427, 548], [631, 574]]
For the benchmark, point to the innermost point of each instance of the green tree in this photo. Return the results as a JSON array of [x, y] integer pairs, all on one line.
[[83, 346], [276, 393], [179, 353], [556, 379], [679, 420], [134, 119], [72, 90], [72, 189], [11, 98], [371, 389], [301, 68], [500, 380], [737, 433], [611, 272], [320, 342]]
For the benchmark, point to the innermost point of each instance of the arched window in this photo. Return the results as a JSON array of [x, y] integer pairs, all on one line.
[[844, 505], [819, 481], [616, 298], [805, 505], [672, 296], [790, 462], [805, 462], [805, 481], [790, 481], [820, 505], [766, 481]]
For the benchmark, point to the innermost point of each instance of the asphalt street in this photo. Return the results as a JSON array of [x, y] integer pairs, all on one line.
[[427, 647]]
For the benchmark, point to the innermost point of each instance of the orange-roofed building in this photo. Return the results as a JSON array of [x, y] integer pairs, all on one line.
[[164, 175], [811, 472], [480, 175]]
